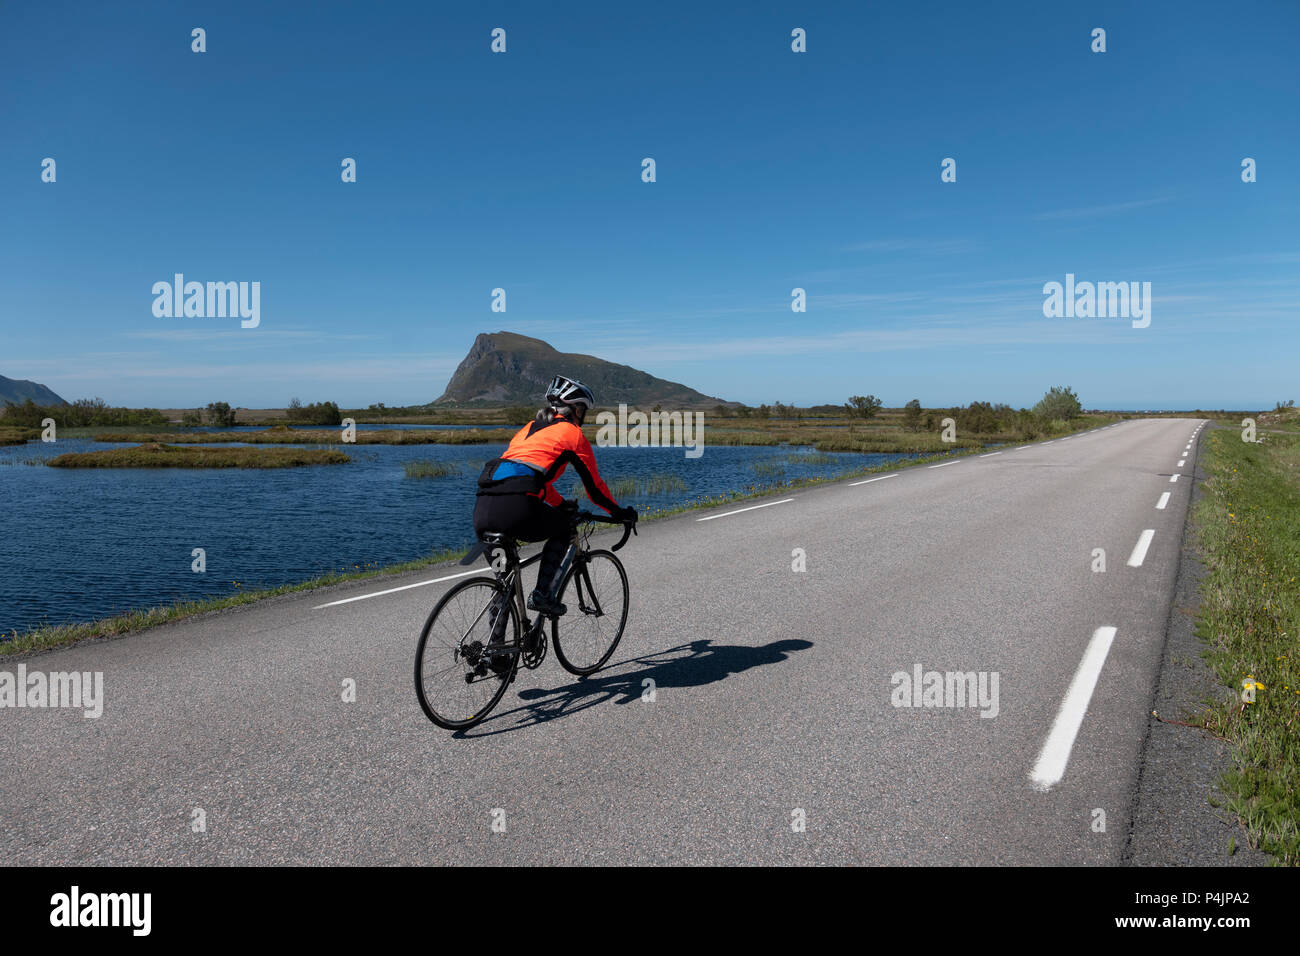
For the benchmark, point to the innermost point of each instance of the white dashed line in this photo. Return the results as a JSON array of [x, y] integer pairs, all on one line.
[[1181, 462], [1164, 500], [991, 454], [1050, 767], [1140, 549], [1173, 478], [945, 464], [727, 514], [854, 484]]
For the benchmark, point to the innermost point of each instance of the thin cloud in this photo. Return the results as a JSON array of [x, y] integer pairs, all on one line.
[[1094, 212], [237, 336], [918, 246]]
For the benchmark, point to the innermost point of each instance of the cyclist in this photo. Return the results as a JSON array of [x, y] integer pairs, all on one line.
[[516, 492]]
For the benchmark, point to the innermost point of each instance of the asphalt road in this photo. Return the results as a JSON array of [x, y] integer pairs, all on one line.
[[774, 693]]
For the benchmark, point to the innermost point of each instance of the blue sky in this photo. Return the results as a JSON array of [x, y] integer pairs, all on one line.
[[775, 170]]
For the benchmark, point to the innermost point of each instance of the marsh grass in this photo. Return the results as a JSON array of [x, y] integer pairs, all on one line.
[[10, 435], [154, 455], [886, 435], [282, 435], [660, 483], [810, 458], [430, 469]]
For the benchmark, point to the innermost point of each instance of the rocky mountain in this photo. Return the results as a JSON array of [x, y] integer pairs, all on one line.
[[512, 369], [19, 390]]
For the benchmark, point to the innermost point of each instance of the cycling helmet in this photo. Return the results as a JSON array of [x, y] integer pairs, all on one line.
[[568, 391]]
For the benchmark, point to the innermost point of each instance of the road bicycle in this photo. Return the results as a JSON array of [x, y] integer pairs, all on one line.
[[479, 634]]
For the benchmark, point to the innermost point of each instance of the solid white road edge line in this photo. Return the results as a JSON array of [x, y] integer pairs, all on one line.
[[404, 587], [750, 508], [853, 484]]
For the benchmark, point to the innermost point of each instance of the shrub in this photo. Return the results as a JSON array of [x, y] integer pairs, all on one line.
[[317, 413], [1059, 402], [912, 415], [863, 406]]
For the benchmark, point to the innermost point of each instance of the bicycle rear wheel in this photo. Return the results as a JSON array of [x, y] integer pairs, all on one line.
[[458, 679], [596, 592]]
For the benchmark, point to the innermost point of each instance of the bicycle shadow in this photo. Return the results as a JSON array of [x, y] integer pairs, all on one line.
[[699, 662]]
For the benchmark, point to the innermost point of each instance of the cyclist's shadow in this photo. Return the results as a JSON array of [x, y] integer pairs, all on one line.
[[694, 664]]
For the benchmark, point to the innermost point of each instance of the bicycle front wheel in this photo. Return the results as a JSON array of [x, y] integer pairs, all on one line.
[[596, 593], [459, 678]]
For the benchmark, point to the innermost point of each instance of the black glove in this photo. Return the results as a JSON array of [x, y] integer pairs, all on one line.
[[626, 515]]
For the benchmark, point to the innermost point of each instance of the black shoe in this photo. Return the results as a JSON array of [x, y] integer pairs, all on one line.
[[539, 602]]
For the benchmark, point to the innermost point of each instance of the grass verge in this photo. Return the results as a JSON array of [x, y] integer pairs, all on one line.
[[1248, 526]]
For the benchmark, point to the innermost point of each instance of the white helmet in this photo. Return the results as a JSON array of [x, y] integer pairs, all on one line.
[[568, 391]]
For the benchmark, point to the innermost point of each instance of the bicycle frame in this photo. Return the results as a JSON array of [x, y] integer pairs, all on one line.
[[510, 575]]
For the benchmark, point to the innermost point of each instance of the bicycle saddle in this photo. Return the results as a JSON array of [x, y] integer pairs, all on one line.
[[486, 541]]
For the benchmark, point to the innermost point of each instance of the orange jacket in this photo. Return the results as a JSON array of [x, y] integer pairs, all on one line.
[[550, 449]]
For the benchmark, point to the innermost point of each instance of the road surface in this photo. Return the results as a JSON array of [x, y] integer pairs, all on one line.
[[772, 735]]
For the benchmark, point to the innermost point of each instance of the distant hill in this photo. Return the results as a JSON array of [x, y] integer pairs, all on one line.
[[511, 369], [18, 391]]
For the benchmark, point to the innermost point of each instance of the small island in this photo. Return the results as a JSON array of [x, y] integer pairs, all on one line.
[[18, 436], [155, 455]]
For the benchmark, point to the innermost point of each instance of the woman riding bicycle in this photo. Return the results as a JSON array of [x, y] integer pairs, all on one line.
[[516, 492]]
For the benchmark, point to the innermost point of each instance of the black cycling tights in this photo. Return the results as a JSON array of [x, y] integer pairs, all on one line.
[[528, 519]]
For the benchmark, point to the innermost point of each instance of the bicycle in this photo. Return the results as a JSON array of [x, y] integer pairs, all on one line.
[[476, 637]]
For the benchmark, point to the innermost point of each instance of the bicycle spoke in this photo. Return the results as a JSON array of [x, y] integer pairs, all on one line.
[[589, 633], [453, 690]]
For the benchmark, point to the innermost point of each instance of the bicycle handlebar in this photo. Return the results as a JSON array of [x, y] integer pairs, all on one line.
[[629, 527]]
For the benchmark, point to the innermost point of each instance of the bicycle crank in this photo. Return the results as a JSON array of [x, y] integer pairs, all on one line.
[[534, 649]]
